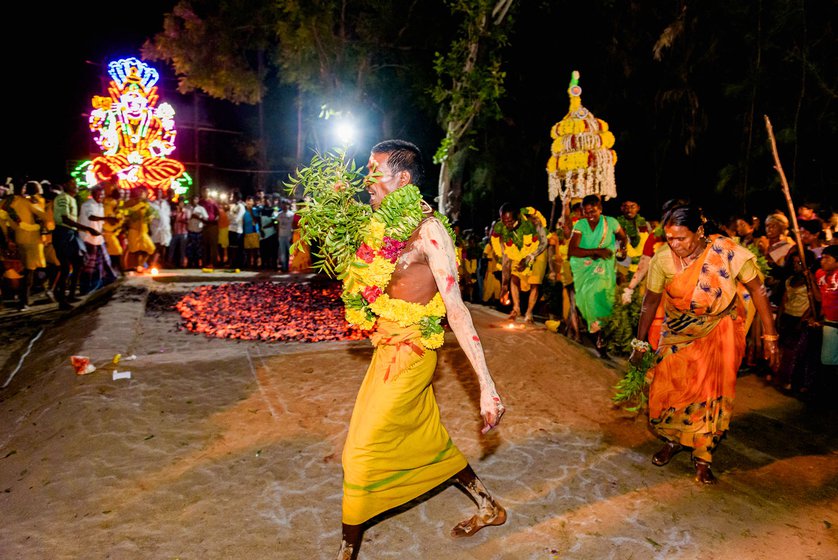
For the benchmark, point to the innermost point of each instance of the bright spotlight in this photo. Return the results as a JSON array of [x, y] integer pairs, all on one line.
[[345, 132]]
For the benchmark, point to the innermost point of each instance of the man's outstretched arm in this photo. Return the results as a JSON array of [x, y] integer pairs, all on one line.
[[439, 250]]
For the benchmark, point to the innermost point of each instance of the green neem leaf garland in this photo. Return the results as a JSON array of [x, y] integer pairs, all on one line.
[[525, 227], [333, 220], [336, 221], [400, 212]]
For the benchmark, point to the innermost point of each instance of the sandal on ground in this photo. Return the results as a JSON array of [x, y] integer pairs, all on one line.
[[666, 453], [469, 527], [703, 474]]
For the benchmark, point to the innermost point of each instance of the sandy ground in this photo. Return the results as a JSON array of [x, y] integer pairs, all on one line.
[[220, 449]]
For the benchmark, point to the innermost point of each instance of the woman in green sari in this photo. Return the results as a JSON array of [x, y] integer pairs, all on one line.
[[592, 260]]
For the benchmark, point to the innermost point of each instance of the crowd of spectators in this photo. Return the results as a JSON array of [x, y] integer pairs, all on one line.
[[803, 291], [58, 244]]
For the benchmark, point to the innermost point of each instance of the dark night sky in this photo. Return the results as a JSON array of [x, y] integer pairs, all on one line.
[[52, 73], [47, 95]]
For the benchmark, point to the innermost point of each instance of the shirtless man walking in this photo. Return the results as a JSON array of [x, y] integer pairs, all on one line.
[[397, 448]]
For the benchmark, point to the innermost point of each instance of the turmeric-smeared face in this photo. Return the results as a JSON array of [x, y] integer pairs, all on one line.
[[381, 180]]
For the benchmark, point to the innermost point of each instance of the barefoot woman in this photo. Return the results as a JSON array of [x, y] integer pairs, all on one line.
[[703, 337]]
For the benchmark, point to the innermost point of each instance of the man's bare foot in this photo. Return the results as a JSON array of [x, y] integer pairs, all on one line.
[[528, 319], [470, 526], [513, 315], [346, 552]]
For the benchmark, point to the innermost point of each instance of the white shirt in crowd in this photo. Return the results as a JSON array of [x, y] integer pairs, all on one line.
[[285, 221], [195, 224], [236, 215], [91, 208], [161, 226]]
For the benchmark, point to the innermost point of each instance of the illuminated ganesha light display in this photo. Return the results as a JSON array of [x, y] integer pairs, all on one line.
[[135, 134]]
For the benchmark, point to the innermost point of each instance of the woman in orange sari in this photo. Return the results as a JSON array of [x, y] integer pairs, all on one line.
[[700, 281]]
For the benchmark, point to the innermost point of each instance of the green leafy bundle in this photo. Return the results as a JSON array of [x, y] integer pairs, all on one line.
[[632, 387], [333, 219], [622, 325], [762, 262]]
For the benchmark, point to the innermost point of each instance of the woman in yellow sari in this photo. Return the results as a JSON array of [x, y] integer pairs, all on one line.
[[700, 281]]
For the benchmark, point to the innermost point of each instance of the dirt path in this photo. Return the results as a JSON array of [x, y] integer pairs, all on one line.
[[217, 449]]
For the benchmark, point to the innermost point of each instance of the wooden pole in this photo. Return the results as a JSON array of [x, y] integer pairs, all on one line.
[[810, 282]]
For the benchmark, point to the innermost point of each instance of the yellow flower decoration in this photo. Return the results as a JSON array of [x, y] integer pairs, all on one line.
[[376, 234], [407, 313], [377, 273], [513, 252], [434, 341], [358, 317]]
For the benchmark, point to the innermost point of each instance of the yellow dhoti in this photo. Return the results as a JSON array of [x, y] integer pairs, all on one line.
[[532, 275], [140, 241], [397, 448], [112, 243]]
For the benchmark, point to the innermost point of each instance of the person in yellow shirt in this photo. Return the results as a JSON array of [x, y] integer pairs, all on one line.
[[301, 252], [46, 234], [469, 253], [521, 240], [139, 214], [491, 277], [111, 230], [223, 235], [27, 217]]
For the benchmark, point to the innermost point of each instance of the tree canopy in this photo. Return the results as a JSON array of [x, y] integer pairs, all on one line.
[[684, 86]]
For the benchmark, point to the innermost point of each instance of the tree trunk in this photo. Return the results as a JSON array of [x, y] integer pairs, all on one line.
[[450, 186], [299, 152], [459, 123], [262, 152], [444, 183]]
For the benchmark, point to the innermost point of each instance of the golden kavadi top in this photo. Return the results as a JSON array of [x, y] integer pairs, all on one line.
[[582, 161]]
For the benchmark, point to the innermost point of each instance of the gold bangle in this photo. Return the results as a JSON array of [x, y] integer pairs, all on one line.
[[771, 337]]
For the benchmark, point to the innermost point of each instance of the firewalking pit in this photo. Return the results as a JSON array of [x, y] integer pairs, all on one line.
[[298, 312]]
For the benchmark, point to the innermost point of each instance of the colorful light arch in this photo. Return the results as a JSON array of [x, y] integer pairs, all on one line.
[[135, 134]]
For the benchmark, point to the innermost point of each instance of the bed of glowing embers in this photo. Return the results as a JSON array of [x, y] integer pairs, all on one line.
[[268, 311]]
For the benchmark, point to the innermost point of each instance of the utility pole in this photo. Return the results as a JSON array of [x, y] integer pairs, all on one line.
[[196, 156]]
